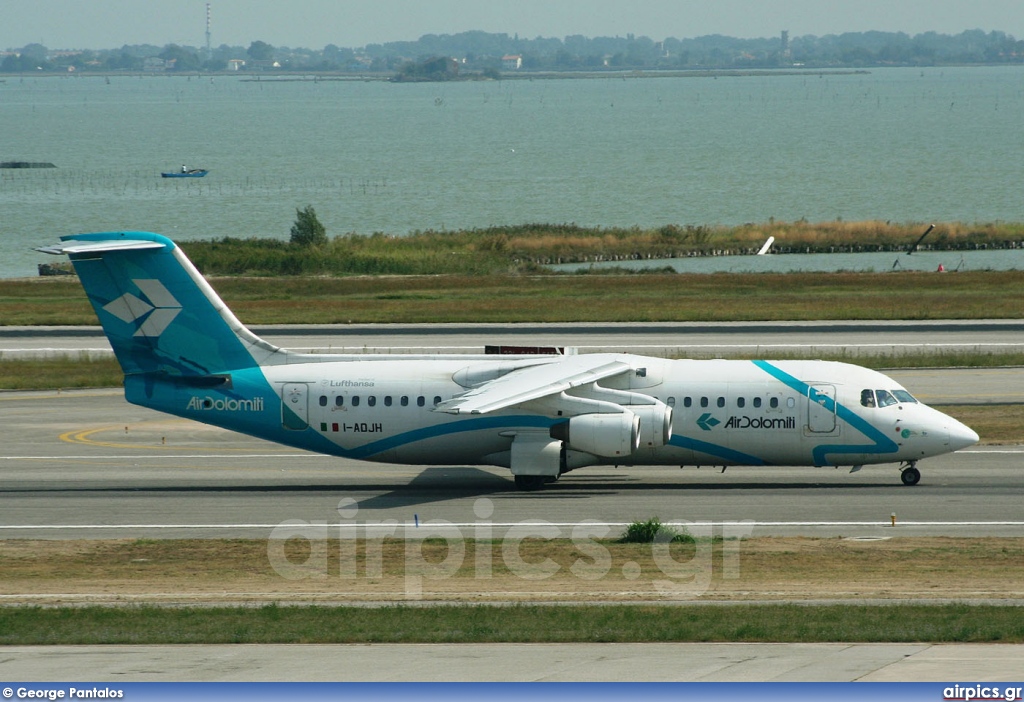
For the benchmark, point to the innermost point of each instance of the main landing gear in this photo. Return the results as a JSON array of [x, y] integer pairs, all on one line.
[[910, 475], [530, 483]]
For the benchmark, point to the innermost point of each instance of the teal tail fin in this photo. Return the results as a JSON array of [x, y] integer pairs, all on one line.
[[157, 310]]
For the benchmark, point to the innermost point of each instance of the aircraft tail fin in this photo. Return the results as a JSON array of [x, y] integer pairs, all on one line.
[[157, 310]]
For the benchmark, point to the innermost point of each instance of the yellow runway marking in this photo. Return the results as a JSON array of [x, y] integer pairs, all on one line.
[[84, 436]]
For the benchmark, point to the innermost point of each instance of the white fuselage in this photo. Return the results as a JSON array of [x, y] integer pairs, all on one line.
[[723, 413]]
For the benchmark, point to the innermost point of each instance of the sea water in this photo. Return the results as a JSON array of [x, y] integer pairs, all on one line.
[[906, 145]]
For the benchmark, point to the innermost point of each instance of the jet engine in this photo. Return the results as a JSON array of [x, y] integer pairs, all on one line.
[[607, 435], [655, 424]]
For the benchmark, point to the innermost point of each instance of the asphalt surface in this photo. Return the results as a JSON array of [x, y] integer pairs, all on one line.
[[697, 340], [724, 662], [86, 464]]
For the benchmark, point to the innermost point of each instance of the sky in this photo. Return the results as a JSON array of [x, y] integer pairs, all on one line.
[[108, 24]]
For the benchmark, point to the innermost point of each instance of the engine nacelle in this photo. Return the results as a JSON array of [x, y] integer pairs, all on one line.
[[608, 435], [655, 424]]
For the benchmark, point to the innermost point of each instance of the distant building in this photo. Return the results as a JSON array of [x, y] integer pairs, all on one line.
[[512, 62], [156, 64], [263, 65], [235, 64]]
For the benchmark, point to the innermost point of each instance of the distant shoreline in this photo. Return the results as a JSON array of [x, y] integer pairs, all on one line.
[[342, 76], [296, 76]]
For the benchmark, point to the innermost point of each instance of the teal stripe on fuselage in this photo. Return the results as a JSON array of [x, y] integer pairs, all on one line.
[[460, 426], [722, 452], [881, 443]]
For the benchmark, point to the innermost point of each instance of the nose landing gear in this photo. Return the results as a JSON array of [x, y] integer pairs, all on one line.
[[909, 474]]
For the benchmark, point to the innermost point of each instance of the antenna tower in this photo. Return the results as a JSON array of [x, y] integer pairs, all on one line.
[[209, 51]]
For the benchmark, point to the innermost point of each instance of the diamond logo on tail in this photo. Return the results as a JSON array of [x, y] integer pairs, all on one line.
[[157, 310]]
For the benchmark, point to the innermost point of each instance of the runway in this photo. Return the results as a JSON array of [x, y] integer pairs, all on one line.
[[682, 339], [87, 464], [587, 662]]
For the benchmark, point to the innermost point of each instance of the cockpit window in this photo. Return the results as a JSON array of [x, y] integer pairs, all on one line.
[[884, 398]]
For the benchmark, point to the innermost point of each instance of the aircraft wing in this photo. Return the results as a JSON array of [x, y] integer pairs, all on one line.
[[535, 382]]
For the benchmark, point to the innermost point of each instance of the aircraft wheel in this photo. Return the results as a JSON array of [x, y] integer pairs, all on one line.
[[530, 483], [910, 476]]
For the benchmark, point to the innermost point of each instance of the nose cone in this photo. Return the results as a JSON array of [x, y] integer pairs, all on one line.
[[960, 435]]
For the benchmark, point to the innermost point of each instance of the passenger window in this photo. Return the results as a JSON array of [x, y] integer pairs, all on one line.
[[671, 402], [371, 401], [404, 401], [904, 396], [355, 400], [773, 403], [437, 400], [420, 401], [687, 402], [721, 402], [323, 400], [703, 402], [387, 400], [339, 401], [884, 398], [790, 402], [757, 402], [867, 398], [740, 402]]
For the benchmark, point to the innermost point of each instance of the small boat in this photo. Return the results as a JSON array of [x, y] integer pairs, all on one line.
[[192, 173]]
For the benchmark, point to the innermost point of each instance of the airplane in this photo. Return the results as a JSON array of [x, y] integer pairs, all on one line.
[[183, 352]]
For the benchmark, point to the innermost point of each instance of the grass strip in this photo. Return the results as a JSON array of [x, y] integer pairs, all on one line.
[[325, 570], [60, 373], [718, 297], [791, 623]]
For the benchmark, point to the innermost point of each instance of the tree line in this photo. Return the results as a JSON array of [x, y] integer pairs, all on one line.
[[483, 51]]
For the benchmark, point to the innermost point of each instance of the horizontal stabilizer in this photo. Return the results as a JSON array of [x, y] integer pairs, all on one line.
[[73, 246]]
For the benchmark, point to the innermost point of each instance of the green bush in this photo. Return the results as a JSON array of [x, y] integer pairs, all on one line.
[[647, 532]]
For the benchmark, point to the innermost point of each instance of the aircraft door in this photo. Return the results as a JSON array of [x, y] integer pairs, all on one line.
[[295, 406], [821, 408]]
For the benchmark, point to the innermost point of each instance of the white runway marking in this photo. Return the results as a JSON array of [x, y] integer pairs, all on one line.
[[176, 456], [1001, 450], [390, 525]]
